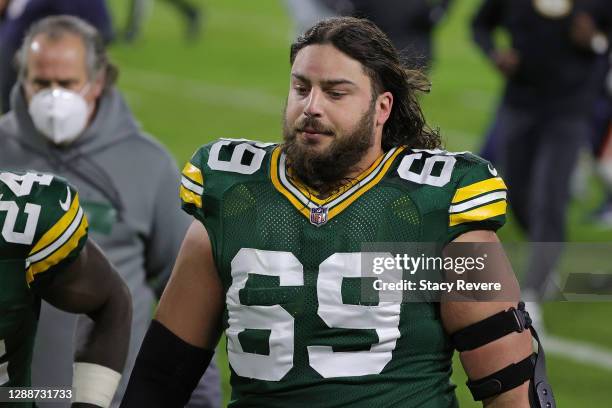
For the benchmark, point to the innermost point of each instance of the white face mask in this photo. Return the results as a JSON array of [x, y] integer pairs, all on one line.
[[60, 114]]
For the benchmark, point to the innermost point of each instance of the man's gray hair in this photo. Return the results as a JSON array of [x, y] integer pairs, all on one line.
[[55, 27]]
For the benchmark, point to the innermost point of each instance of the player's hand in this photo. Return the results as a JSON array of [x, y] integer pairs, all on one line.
[[506, 61]]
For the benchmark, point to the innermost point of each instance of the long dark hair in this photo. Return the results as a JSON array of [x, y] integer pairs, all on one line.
[[363, 41]]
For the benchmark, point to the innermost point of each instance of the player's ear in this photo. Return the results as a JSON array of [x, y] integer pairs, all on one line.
[[98, 84], [384, 104]]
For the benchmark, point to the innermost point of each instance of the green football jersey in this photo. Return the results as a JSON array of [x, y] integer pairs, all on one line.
[[43, 229], [298, 334]]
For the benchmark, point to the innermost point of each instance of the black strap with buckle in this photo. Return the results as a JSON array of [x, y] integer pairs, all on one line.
[[533, 367], [492, 328], [503, 380]]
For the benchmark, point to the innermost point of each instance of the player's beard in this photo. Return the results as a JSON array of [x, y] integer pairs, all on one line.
[[326, 171]]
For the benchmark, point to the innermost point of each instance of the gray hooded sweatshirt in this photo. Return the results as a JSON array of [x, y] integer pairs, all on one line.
[[128, 187]]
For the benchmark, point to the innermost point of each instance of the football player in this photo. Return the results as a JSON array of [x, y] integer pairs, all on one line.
[[274, 253], [44, 253]]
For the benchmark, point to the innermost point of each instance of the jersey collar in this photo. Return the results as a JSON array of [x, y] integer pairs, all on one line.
[[319, 211]]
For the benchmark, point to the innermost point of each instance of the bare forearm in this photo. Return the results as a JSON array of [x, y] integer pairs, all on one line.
[[111, 326], [91, 286]]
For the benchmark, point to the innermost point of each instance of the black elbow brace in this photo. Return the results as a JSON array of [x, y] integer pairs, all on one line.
[[167, 370], [532, 368]]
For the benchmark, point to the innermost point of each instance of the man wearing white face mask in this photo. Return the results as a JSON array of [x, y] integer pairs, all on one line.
[[68, 118], [60, 114], [62, 95]]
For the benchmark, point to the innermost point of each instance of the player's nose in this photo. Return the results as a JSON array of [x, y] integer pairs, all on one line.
[[314, 103]]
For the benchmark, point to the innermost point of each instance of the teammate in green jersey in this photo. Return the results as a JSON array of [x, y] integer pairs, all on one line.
[[44, 253], [273, 257]]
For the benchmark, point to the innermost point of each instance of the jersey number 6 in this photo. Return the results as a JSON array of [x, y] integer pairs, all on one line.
[[384, 318]]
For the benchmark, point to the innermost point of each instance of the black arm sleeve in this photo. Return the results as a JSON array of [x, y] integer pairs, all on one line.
[[167, 370], [484, 22]]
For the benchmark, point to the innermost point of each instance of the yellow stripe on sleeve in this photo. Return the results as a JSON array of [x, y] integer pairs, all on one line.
[[193, 173], [60, 254], [479, 214], [58, 229], [476, 189], [190, 197]]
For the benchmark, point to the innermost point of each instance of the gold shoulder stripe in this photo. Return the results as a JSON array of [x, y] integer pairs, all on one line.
[[190, 197], [274, 169], [193, 173], [58, 229], [340, 207], [66, 244], [479, 214], [476, 189]]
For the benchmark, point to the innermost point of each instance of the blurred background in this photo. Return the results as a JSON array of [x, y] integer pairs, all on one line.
[[224, 72]]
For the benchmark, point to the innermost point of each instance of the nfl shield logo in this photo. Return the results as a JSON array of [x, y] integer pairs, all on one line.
[[318, 216]]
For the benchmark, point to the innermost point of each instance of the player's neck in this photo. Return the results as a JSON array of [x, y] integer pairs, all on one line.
[[366, 161]]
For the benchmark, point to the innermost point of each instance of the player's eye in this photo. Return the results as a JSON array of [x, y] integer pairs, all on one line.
[[300, 90], [335, 94]]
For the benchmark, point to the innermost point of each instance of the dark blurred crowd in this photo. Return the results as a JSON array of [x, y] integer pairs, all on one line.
[[555, 70]]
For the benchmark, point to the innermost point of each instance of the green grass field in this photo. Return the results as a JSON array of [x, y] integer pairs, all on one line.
[[232, 83]]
